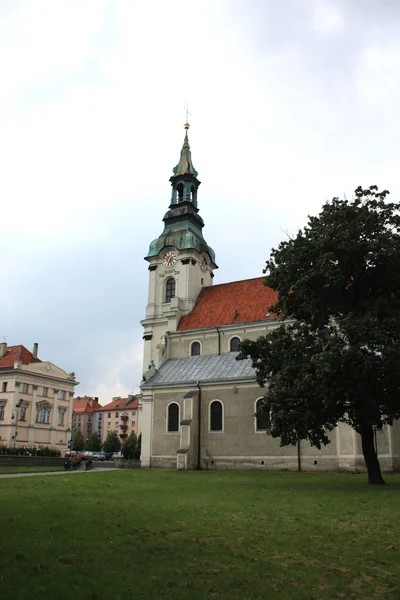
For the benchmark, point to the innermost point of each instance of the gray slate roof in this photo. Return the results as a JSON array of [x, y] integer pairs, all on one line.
[[208, 367]]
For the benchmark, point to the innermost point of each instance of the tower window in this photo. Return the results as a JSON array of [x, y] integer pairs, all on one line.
[[234, 344], [170, 289], [180, 190], [262, 419], [216, 416], [195, 349], [173, 417]]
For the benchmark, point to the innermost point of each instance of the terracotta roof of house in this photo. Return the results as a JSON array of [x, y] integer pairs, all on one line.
[[230, 303], [87, 404], [122, 403], [20, 353]]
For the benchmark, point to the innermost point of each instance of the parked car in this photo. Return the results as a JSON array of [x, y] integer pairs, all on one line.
[[71, 454], [98, 456], [117, 455], [109, 455]]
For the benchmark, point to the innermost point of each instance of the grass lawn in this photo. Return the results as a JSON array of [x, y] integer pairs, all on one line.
[[186, 535], [10, 470]]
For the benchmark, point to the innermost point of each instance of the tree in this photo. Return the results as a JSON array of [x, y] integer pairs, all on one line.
[[129, 446], [94, 442], [138, 449], [112, 442], [78, 441], [339, 361]]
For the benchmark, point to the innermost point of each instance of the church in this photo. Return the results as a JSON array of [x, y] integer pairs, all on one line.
[[199, 403]]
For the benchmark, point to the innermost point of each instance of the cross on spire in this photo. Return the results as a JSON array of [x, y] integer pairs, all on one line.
[[186, 107]]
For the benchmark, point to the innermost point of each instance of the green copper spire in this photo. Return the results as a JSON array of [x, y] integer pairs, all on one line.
[[182, 223], [185, 164]]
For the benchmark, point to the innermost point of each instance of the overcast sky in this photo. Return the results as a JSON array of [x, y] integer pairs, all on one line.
[[292, 103]]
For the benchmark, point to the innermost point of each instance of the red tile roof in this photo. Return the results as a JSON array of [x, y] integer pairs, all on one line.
[[122, 403], [230, 303], [87, 404], [14, 353]]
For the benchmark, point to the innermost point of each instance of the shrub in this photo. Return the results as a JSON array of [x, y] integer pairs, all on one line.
[[75, 463], [88, 464], [29, 451]]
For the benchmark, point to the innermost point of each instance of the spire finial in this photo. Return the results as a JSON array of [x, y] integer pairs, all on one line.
[[186, 107]]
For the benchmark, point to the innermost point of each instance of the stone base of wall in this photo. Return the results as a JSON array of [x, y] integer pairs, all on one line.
[[126, 464], [31, 461], [308, 464], [163, 463]]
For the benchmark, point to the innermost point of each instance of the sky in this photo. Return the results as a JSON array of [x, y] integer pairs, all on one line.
[[291, 104]]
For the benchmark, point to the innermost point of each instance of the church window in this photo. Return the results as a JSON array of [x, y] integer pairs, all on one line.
[[170, 289], [173, 417], [234, 344], [195, 349], [216, 416], [262, 419]]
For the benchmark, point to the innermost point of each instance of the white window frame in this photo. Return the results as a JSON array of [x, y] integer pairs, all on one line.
[[179, 418], [229, 342], [2, 409], [43, 412], [61, 416], [190, 348], [213, 431]]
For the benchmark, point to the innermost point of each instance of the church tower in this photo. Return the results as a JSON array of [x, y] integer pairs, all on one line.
[[180, 261]]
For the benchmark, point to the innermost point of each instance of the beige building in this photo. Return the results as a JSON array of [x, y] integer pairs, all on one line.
[[121, 415], [35, 399], [199, 402]]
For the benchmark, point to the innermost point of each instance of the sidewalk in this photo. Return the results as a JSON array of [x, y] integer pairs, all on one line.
[[45, 474]]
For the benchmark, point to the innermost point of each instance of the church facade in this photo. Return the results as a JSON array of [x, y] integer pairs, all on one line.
[[199, 403]]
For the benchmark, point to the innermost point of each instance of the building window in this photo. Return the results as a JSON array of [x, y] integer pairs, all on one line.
[[108, 423], [173, 417], [216, 416], [234, 344], [195, 349], [170, 289], [22, 413], [25, 388], [262, 419], [133, 423], [116, 415], [109, 415], [43, 414], [63, 395], [2, 410], [45, 392], [61, 416], [4, 386]]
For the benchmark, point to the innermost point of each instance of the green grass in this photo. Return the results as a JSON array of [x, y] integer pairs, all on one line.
[[11, 470], [186, 535]]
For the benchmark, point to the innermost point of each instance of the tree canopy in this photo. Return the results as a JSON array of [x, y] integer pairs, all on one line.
[[78, 441], [93, 442], [338, 359], [112, 442]]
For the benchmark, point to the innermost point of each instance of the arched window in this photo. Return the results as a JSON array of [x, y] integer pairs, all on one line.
[[170, 289], [180, 189], [173, 417], [262, 419], [216, 416], [234, 344], [195, 349]]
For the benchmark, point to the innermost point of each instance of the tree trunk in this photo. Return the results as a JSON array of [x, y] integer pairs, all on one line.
[[370, 457]]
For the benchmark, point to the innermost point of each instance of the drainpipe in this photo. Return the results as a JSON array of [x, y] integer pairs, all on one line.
[[199, 430], [298, 456], [219, 341]]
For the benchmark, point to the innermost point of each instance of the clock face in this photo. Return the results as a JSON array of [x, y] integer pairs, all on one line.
[[169, 259]]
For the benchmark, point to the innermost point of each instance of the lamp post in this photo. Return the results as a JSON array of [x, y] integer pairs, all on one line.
[[14, 415]]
